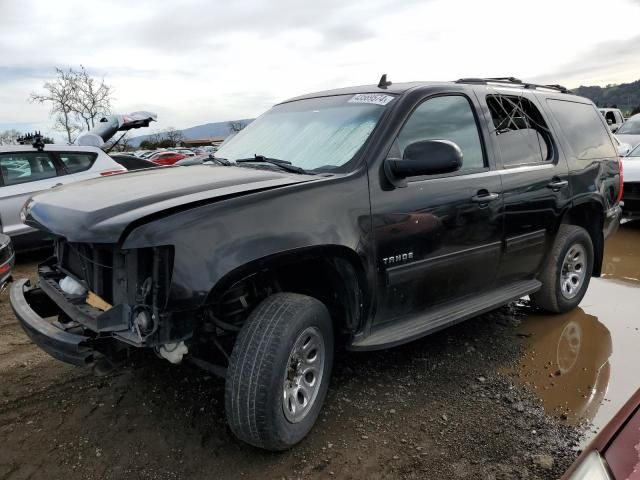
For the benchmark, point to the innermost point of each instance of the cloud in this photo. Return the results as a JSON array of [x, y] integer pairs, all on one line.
[[10, 74], [197, 61], [609, 62]]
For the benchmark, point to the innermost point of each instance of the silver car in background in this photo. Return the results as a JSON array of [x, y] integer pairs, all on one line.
[[630, 131], [631, 191], [25, 170]]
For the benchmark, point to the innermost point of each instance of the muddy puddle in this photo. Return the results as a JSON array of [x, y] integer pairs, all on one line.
[[585, 364]]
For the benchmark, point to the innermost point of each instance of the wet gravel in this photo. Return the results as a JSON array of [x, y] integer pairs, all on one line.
[[440, 407]]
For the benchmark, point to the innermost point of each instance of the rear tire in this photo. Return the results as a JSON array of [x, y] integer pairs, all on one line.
[[567, 271], [279, 371]]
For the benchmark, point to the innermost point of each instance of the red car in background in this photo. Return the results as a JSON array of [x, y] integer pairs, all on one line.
[[615, 453], [166, 158]]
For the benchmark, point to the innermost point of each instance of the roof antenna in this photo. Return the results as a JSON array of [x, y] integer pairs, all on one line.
[[383, 83]]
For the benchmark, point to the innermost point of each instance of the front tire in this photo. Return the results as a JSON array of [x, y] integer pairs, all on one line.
[[279, 371], [567, 271]]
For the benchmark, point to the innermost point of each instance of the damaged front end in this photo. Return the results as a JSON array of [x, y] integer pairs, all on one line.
[[96, 300]]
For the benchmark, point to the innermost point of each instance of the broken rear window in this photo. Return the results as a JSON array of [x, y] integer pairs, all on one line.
[[520, 130]]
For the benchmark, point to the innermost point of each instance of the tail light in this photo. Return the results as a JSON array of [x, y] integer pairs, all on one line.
[[108, 173], [621, 176]]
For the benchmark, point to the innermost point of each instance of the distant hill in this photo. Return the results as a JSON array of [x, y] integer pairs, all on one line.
[[626, 95], [218, 129]]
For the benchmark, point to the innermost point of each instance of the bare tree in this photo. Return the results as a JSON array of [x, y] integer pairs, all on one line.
[[75, 96], [174, 136], [91, 98], [9, 137], [236, 126], [60, 93]]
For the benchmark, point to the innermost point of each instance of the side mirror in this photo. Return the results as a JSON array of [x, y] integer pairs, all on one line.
[[428, 157]]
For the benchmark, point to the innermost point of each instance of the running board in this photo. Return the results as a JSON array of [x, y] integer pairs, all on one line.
[[405, 330]]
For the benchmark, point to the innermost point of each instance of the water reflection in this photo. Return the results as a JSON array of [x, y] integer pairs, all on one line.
[[622, 255], [584, 364], [567, 363]]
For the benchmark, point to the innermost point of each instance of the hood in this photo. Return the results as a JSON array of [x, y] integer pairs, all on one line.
[[99, 210]]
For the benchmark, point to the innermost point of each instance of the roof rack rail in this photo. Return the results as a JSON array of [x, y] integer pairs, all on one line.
[[512, 81]]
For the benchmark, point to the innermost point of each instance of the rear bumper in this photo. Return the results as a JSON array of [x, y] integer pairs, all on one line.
[[31, 307]]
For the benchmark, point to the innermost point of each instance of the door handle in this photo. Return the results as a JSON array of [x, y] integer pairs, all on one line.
[[556, 185], [57, 185], [484, 197]]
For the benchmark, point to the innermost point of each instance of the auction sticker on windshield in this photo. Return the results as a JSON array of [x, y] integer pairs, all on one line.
[[371, 98]]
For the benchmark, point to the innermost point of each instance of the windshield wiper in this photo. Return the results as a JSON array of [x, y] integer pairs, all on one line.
[[283, 164]]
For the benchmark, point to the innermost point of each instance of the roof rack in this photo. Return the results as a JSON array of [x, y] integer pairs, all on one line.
[[512, 81]]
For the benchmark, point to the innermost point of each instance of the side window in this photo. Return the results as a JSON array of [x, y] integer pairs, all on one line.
[[23, 167], [521, 133], [77, 162], [619, 118], [446, 118], [587, 136]]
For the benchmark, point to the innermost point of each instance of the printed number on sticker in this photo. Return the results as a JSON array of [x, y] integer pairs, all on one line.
[[372, 98]]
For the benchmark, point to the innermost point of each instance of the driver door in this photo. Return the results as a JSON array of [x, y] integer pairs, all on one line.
[[439, 238]]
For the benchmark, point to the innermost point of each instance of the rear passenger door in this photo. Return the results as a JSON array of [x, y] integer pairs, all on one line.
[[22, 174], [534, 176], [590, 151]]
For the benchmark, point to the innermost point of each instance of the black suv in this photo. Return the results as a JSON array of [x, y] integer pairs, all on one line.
[[367, 216]]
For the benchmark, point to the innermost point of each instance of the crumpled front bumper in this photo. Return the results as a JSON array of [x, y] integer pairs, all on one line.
[[32, 308]]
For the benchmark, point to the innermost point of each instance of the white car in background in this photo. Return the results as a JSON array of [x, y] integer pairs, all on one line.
[[25, 170], [630, 131], [631, 191]]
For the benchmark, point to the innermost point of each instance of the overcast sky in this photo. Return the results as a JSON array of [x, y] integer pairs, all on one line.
[[198, 61]]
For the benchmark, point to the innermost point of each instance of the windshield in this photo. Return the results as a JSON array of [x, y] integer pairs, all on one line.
[[635, 152], [316, 133], [631, 126]]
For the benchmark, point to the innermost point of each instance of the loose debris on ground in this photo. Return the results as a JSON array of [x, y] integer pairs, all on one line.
[[437, 408]]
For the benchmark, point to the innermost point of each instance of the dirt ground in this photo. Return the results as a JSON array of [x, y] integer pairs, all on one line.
[[459, 404]]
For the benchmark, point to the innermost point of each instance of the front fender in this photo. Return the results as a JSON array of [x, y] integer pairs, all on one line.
[[213, 240]]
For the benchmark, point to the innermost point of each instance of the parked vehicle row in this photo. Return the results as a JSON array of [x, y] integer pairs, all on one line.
[[148, 154], [440, 201]]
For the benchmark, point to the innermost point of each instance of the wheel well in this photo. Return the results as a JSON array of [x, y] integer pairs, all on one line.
[[590, 217], [328, 274]]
